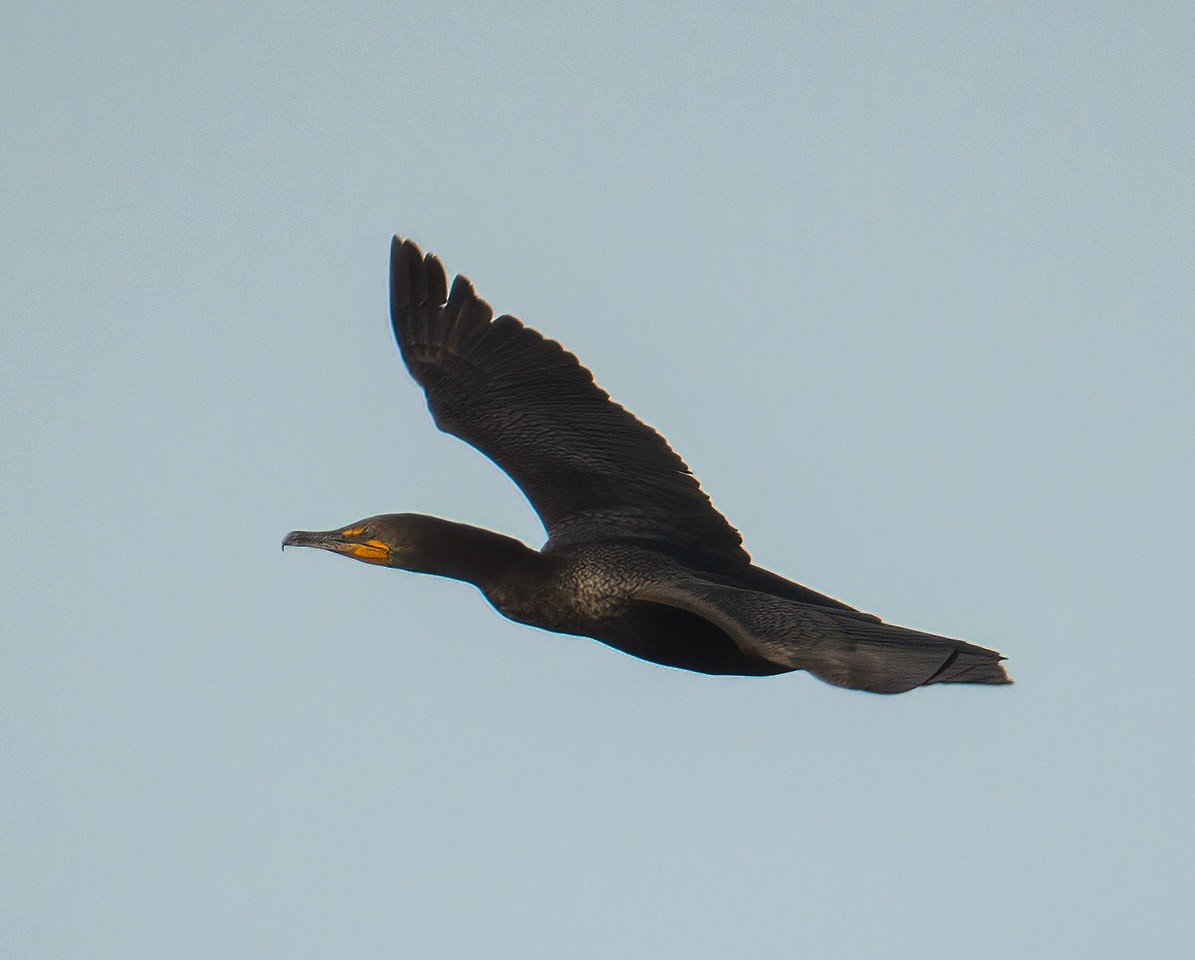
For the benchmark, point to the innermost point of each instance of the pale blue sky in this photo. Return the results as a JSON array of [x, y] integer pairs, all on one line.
[[910, 286]]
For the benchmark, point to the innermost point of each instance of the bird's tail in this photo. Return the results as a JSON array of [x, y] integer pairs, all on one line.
[[885, 658], [843, 647]]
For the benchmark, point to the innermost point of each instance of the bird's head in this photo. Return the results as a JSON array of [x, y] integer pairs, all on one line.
[[388, 540]]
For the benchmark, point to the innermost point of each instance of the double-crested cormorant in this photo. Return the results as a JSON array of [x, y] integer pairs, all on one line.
[[636, 557]]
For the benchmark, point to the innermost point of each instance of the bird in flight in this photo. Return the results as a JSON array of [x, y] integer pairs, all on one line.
[[637, 556]]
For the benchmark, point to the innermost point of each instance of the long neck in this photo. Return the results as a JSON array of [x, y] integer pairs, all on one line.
[[445, 548]]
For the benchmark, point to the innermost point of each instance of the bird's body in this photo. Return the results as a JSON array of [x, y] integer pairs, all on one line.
[[636, 557], [589, 591]]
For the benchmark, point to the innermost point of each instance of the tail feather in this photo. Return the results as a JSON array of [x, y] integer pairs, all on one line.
[[970, 667], [885, 658]]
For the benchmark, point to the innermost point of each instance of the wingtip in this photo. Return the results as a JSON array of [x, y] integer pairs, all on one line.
[[405, 250], [404, 256], [465, 306], [462, 289], [437, 279], [415, 277]]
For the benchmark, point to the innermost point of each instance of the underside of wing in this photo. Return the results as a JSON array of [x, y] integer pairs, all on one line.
[[841, 647], [591, 470]]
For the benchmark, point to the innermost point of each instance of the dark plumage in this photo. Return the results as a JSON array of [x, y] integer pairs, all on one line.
[[636, 557]]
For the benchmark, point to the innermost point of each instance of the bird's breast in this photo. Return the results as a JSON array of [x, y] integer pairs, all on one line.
[[576, 593]]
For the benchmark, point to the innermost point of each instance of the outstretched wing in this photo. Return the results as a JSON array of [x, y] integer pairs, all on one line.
[[590, 469], [842, 647]]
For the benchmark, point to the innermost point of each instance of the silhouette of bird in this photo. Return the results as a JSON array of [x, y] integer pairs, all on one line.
[[637, 556]]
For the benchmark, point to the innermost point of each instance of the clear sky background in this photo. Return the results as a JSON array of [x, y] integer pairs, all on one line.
[[911, 288]]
